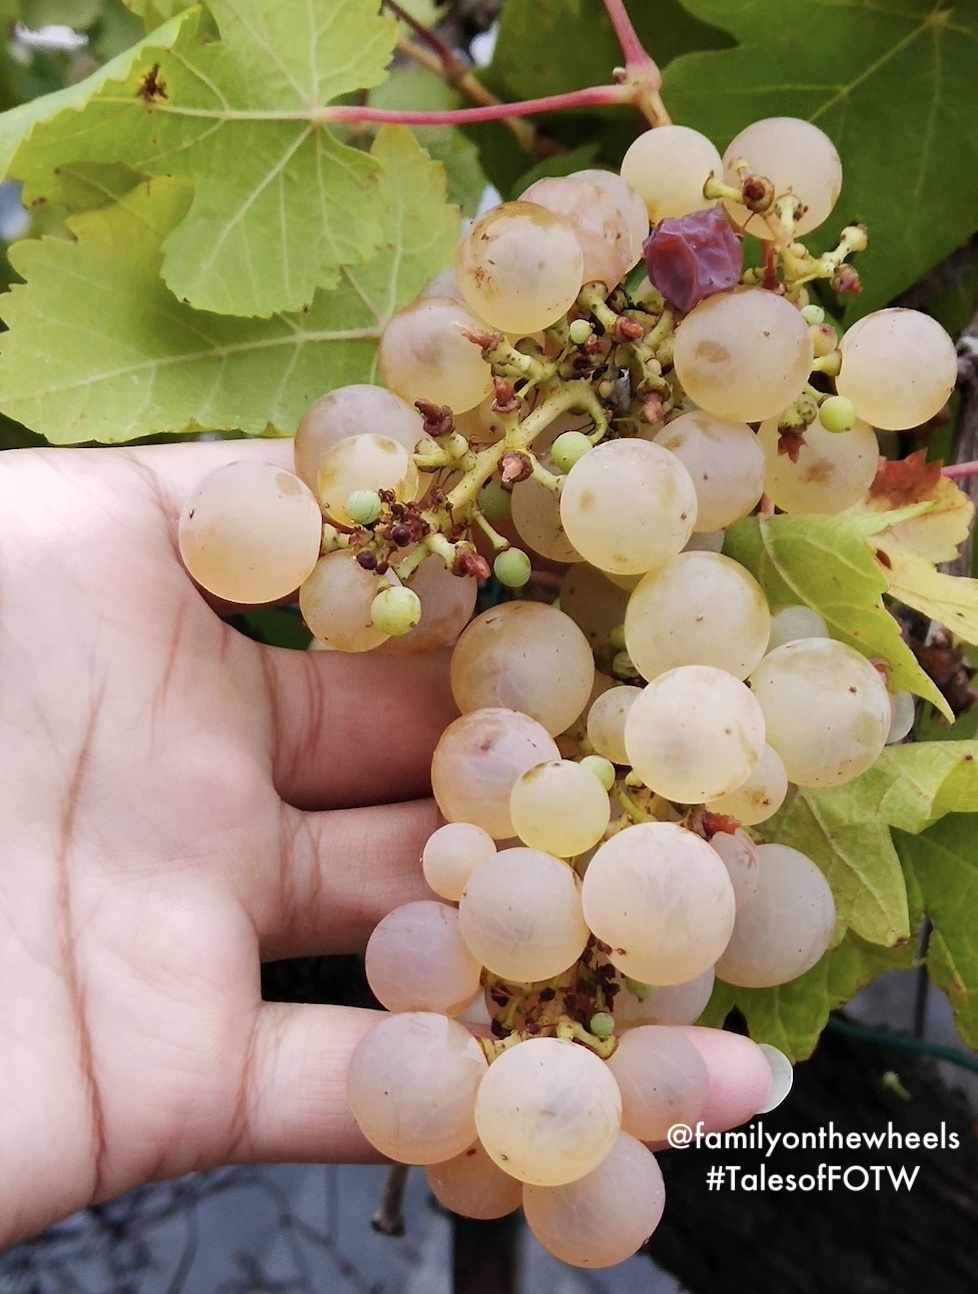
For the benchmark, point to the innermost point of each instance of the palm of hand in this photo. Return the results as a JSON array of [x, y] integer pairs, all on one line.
[[151, 852]]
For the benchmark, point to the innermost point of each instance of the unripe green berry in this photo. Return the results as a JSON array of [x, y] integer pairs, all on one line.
[[495, 502], [363, 507], [813, 314], [824, 339], [603, 769], [395, 610], [512, 568], [616, 639], [568, 449], [580, 330], [638, 989], [623, 667], [836, 413], [602, 1024]]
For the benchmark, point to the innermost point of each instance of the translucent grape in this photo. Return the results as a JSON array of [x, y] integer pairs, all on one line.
[[663, 1080], [606, 722], [512, 568], [628, 506], [832, 471], [520, 914], [826, 709], [660, 897], [250, 532], [690, 257], [364, 462], [601, 768], [694, 733], [451, 855], [784, 927], [738, 855], [423, 355], [412, 1084], [559, 807], [417, 960], [628, 201], [604, 1217], [601, 227], [836, 414], [669, 166], [536, 516], [788, 624], [447, 602], [760, 797], [335, 602], [744, 355], [525, 656], [352, 411], [903, 712], [548, 1111], [473, 1186], [698, 609], [478, 758], [782, 1076], [725, 462], [593, 602], [899, 368], [670, 1004], [520, 267], [797, 158]]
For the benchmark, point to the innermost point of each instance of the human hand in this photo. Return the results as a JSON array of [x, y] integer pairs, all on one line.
[[177, 804]]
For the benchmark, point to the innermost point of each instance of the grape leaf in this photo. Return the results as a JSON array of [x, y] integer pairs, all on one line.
[[826, 563], [99, 349], [792, 1016], [279, 204], [17, 123], [892, 83], [942, 863], [951, 600], [77, 14]]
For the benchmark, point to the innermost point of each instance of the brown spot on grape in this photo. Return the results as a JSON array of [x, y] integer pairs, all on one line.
[[711, 352], [586, 501]]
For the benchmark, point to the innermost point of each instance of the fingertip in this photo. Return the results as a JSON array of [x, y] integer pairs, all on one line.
[[740, 1076]]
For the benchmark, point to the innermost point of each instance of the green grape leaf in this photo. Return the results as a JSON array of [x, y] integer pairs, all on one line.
[[100, 350], [942, 863], [792, 1016], [17, 123], [825, 562], [892, 83], [77, 14], [279, 203], [155, 12]]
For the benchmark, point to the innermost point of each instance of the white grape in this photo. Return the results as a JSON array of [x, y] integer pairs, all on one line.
[[903, 712], [412, 1084], [666, 1004], [447, 601], [473, 1186], [604, 1217], [606, 722], [760, 797], [743, 355], [536, 516], [628, 201], [417, 960], [784, 927], [335, 602], [520, 914], [364, 462], [593, 602], [694, 734], [669, 166], [831, 472], [601, 228], [899, 368], [451, 854], [559, 807], [660, 897], [250, 532], [352, 411], [424, 356], [663, 1080], [723, 459], [739, 856], [790, 623], [826, 710], [548, 1111], [628, 506], [797, 158]]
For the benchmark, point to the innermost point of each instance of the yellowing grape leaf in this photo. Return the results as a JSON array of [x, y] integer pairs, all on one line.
[[827, 563], [952, 600], [942, 863], [893, 84], [279, 203], [935, 534], [792, 1016], [99, 349]]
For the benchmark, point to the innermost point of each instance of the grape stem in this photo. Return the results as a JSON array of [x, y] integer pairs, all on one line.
[[958, 471]]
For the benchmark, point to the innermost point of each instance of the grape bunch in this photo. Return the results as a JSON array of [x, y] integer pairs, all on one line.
[[593, 393]]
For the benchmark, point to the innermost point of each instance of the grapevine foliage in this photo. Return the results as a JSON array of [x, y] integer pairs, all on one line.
[[218, 254]]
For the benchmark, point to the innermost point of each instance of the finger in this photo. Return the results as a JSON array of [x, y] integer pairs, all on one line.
[[295, 1107], [354, 729], [179, 468], [740, 1078], [337, 874]]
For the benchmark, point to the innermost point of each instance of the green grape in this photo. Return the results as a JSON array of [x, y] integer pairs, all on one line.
[[579, 331], [512, 568], [603, 769], [395, 610], [363, 507], [495, 501], [837, 413], [813, 314], [568, 448], [602, 1025]]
